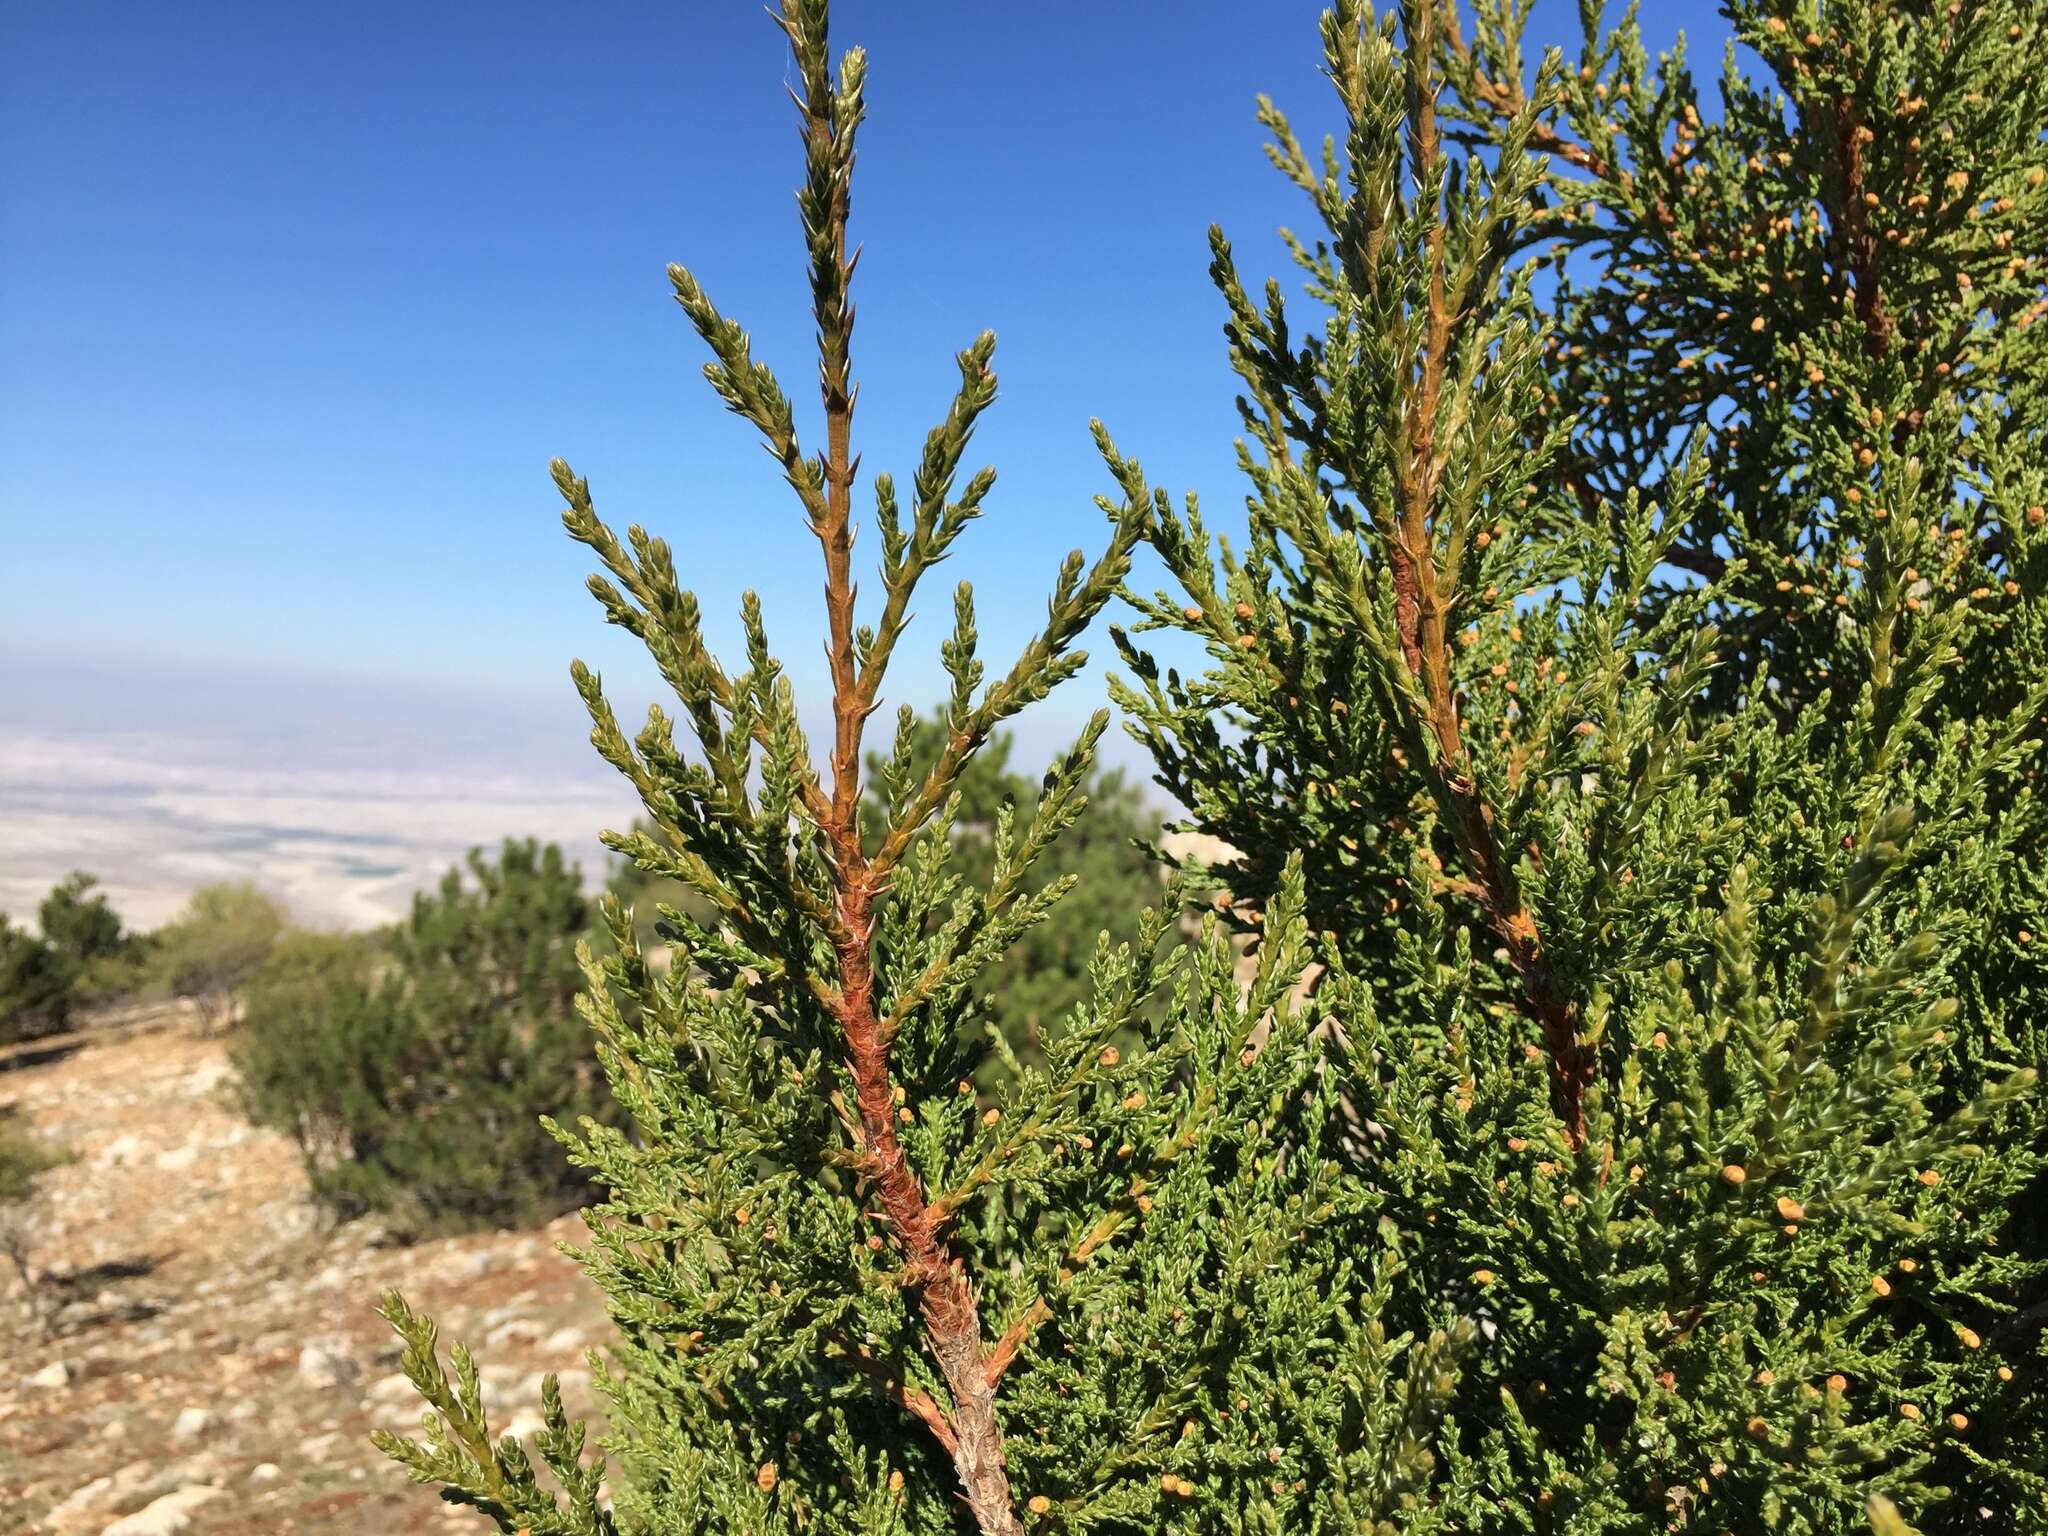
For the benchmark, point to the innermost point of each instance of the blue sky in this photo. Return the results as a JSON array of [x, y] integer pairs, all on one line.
[[297, 301]]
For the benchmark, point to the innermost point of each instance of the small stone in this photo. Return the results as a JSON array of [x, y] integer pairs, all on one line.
[[469, 1266], [122, 1149], [520, 1330], [325, 1364], [57, 1373], [178, 1159], [166, 1516], [191, 1424], [265, 1472], [204, 1079], [143, 1478], [565, 1341], [78, 1510]]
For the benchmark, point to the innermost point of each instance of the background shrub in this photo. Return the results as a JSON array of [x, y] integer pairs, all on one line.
[[102, 961], [216, 944], [34, 998], [23, 1158], [412, 1071], [82, 956]]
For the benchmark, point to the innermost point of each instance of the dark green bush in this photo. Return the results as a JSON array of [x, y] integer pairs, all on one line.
[[412, 1073], [35, 995], [22, 1157], [81, 949], [102, 960], [78, 922]]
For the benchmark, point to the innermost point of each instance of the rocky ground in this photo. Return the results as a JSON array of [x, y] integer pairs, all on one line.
[[214, 1362]]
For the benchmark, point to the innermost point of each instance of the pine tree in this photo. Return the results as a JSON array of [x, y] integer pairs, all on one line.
[[35, 986], [860, 1285], [411, 1071], [1679, 929], [43, 977]]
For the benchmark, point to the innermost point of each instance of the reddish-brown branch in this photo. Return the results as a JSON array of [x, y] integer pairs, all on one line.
[[1508, 99], [1004, 1355], [1106, 1227], [946, 1302], [1422, 613], [920, 1405], [1859, 241], [945, 1298]]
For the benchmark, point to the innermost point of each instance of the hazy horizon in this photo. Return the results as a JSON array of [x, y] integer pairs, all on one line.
[[339, 802], [295, 305]]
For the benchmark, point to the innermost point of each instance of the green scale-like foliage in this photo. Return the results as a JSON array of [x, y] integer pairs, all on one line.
[[1696, 907], [873, 1269], [1173, 1209], [1630, 1124], [1835, 284], [1102, 861], [1835, 281]]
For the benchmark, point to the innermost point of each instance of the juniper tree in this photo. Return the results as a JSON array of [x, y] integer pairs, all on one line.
[[1837, 280], [44, 976], [79, 923], [857, 1287], [35, 985], [1662, 973]]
